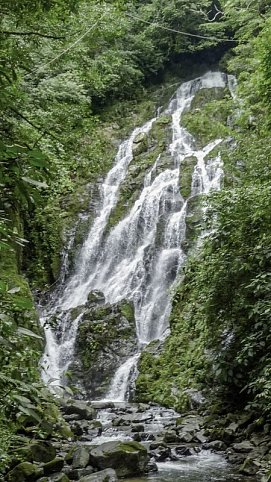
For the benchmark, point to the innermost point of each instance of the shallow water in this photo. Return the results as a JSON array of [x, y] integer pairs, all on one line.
[[204, 467]]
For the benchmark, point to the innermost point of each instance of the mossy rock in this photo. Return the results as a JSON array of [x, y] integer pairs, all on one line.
[[105, 339], [24, 472], [42, 451], [128, 459], [186, 174], [207, 119], [55, 465]]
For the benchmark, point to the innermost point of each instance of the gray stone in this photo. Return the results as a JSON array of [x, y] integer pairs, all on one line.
[[138, 428], [185, 437], [151, 467], [200, 437], [216, 445], [55, 465], [84, 409], [243, 447], [127, 458], [80, 458], [161, 453], [107, 475], [170, 437]]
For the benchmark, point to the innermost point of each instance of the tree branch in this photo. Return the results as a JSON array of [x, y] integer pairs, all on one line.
[[8, 32]]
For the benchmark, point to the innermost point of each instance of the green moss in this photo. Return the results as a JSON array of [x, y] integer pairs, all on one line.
[[127, 310], [207, 119], [132, 447], [186, 173]]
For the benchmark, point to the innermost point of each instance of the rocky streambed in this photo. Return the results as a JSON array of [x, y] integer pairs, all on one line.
[[147, 442]]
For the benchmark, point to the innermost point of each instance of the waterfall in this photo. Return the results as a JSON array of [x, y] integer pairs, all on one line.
[[129, 262]]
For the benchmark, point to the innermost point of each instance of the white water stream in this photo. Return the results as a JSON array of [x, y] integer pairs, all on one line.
[[130, 263]]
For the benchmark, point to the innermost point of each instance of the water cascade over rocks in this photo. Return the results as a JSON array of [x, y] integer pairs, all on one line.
[[140, 257]]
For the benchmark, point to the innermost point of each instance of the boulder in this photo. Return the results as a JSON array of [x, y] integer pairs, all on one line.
[[105, 340], [138, 428], [80, 458], [24, 472], [78, 407], [243, 447], [170, 437], [127, 458], [107, 475], [55, 465], [216, 445], [42, 451]]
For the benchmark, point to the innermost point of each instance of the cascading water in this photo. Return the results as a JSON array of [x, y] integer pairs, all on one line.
[[140, 258]]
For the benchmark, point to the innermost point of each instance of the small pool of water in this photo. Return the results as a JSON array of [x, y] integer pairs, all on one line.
[[205, 467]]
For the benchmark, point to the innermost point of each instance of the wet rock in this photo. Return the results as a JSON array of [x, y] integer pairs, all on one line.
[[161, 453], [127, 458], [244, 447], [80, 458], [138, 428], [102, 405], [185, 437], [107, 475], [55, 465], [140, 144], [96, 297], [24, 472], [151, 467], [183, 450], [83, 409], [200, 437], [217, 445], [105, 340], [170, 437], [146, 436]]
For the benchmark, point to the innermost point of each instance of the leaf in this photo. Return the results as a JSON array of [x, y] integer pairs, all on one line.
[[35, 183], [22, 399], [30, 412], [26, 332]]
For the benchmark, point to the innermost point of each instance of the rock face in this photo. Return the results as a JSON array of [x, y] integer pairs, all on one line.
[[105, 339], [127, 458]]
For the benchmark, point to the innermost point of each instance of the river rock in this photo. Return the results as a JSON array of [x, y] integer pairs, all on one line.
[[127, 458], [41, 452], [170, 437], [96, 297], [83, 409], [107, 475], [243, 447], [80, 458], [24, 472], [55, 465], [216, 445]]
